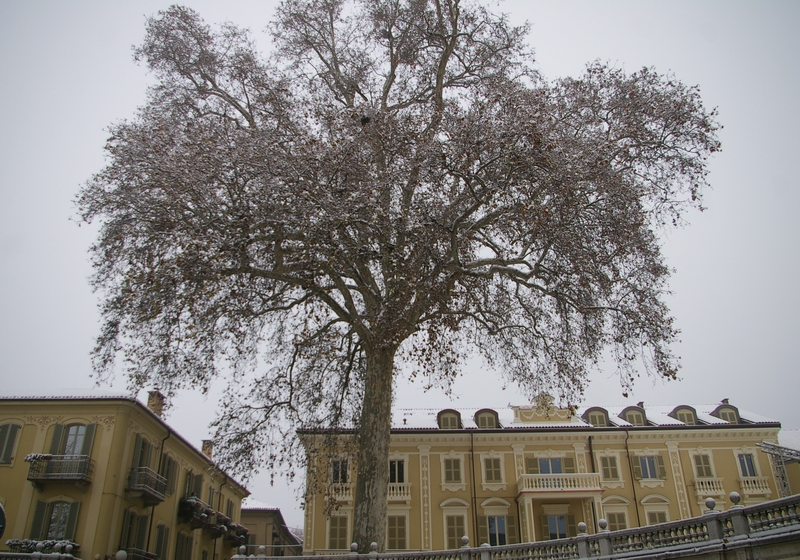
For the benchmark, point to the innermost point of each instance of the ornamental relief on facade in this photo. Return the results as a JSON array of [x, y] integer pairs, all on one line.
[[107, 421], [44, 422]]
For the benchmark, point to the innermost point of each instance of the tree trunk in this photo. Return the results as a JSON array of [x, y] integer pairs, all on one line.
[[372, 478]]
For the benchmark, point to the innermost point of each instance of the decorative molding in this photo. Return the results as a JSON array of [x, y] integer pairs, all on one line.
[[677, 475], [550, 453], [580, 457], [424, 473], [519, 459], [493, 486], [651, 483], [133, 427], [107, 421], [43, 422]]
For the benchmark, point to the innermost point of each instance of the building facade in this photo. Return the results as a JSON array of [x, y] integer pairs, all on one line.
[[108, 473], [268, 529], [532, 473]]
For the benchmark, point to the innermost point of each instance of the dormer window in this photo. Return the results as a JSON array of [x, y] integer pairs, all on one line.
[[449, 420], [727, 412], [486, 419], [634, 415], [728, 415], [597, 417], [685, 414]]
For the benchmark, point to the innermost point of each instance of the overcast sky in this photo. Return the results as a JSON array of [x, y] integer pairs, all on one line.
[[66, 73]]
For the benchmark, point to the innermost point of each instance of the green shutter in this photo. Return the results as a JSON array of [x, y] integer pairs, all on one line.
[[660, 467], [569, 465], [141, 532], [637, 468], [126, 528], [189, 548], [137, 451], [180, 546], [545, 529], [160, 542], [532, 465], [55, 443], [72, 521], [148, 450], [38, 520], [511, 530], [88, 439], [8, 434], [483, 530], [571, 526], [198, 486]]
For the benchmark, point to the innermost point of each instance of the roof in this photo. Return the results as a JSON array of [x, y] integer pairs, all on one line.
[[111, 397], [537, 417], [252, 504]]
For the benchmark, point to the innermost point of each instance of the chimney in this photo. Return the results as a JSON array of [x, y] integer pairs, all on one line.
[[208, 447], [725, 401], [640, 404], [155, 402]]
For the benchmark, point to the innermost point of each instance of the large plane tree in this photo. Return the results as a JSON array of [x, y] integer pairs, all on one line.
[[394, 184]]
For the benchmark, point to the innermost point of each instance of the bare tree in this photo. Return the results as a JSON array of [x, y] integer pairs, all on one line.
[[396, 183]]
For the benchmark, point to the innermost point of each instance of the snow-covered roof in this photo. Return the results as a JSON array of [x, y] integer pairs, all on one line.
[[251, 503], [533, 416]]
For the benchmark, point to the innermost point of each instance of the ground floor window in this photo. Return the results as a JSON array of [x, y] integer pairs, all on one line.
[[455, 530], [337, 532], [656, 517], [558, 526], [616, 521], [396, 533]]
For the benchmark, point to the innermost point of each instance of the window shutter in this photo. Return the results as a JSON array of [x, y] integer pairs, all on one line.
[[180, 546], [532, 465], [149, 450], [569, 465], [141, 532], [483, 530], [38, 520], [571, 529], [160, 545], [72, 521], [55, 443], [88, 439], [8, 434], [137, 451], [637, 468], [511, 530], [189, 548], [126, 527], [198, 486], [545, 529], [660, 467]]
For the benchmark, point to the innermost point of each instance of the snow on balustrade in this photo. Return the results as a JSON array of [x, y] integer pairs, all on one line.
[[556, 482]]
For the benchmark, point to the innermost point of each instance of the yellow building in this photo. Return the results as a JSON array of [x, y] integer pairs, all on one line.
[[531, 473], [267, 529], [108, 473]]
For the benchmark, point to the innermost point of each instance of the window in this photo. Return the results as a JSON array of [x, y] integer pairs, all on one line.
[[656, 517], [55, 520], [168, 469], [452, 470], [747, 464], [397, 471], [339, 471], [635, 418], [229, 509], [558, 526], [454, 530], [337, 532], [8, 437], [650, 467], [134, 531], [491, 470], [74, 439], [142, 453], [598, 419], [609, 468], [486, 419], [550, 465], [162, 541], [449, 420], [687, 417], [702, 465], [497, 529], [616, 521], [396, 533], [183, 547], [728, 415], [211, 496]]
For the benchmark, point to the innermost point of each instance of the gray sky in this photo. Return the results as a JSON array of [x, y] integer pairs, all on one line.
[[66, 73]]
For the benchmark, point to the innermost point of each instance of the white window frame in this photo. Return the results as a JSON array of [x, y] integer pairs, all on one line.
[[618, 482], [342, 512], [454, 507], [617, 505], [702, 451], [652, 482], [398, 512], [453, 486], [655, 503]]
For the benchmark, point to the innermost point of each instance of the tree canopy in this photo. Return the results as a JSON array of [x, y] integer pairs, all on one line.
[[395, 182]]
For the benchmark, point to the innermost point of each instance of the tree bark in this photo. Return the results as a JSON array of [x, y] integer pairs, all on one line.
[[372, 478]]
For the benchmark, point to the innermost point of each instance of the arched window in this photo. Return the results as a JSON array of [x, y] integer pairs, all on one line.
[[449, 420], [727, 412], [486, 419], [597, 417], [685, 414], [634, 415], [72, 439]]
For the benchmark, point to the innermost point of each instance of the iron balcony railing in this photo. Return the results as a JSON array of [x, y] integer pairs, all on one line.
[[152, 485], [72, 468]]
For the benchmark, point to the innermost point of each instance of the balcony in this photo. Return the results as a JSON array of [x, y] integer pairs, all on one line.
[[399, 492], [60, 468], [574, 484], [147, 484], [755, 486], [708, 487], [138, 554], [342, 492]]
